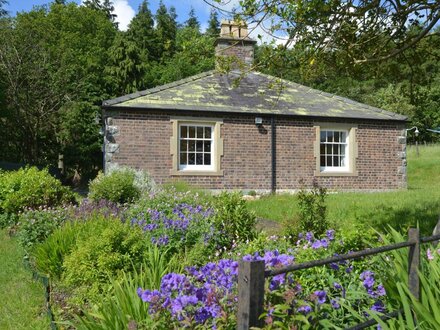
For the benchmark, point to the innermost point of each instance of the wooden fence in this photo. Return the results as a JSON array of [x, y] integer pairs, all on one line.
[[252, 275]]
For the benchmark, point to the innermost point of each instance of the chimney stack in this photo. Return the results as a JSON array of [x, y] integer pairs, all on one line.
[[234, 45]]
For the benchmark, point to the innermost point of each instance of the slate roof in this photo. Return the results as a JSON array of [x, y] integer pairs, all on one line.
[[253, 93]]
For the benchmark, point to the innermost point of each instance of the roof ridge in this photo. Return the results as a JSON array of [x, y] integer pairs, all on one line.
[[337, 97], [159, 88]]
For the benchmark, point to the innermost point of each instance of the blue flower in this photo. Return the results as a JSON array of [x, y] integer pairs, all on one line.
[[305, 309], [321, 296]]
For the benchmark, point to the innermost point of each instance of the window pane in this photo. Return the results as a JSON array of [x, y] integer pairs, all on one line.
[[183, 145], [183, 159], [191, 159], [192, 132], [342, 149], [337, 136], [199, 159], [329, 161], [200, 132], [322, 161], [183, 131], [322, 149], [191, 145], [328, 149], [336, 161], [199, 146], [207, 132], [344, 137], [207, 158], [323, 135], [330, 136], [207, 146], [343, 161], [335, 149]]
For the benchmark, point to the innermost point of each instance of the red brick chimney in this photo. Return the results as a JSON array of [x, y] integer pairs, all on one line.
[[235, 45]]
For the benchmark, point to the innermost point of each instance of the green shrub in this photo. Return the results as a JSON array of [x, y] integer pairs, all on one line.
[[100, 255], [48, 256], [30, 188], [313, 210], [233, 219], [118, 186], [36, 225]]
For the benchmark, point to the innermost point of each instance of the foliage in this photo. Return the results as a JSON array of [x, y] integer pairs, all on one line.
[[110, 248], [52, 65], [313, 210], [122, 309], [48, 256], [232, 219], [30, 188], [36, 225], [117, 186], [363, 31]]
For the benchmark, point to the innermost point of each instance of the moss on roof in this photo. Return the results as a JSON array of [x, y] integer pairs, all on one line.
[[253, 92]]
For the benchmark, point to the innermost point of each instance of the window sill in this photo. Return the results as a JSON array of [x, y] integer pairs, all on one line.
[[196, 173], [319, 173]]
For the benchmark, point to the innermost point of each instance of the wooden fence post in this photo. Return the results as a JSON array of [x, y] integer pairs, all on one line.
[[250, 294], [414, 262]]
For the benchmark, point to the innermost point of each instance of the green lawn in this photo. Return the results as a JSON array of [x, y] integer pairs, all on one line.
[[21, 298], [420, 203]]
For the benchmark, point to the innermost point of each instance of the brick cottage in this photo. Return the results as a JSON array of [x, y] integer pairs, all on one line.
[[245, 130]]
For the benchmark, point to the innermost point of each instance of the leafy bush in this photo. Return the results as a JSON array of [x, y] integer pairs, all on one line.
[[233, 219], [101, 254], [117, 186], [121, 185], [48, 256], [36, 225], [30, 188], [312, 210]]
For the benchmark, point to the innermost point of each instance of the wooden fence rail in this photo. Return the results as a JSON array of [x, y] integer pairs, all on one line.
[[252, 274]]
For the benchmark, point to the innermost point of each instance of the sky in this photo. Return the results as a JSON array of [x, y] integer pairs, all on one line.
[[126, 9]]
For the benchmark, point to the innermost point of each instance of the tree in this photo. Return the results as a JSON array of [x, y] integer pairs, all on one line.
[[52, 63], [141, 31], [366, 31], [213, 29], [3, 12], [192, 21], [166, 29], [105, 6]]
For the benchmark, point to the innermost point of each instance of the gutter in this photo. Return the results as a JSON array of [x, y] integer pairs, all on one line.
[[273, 187]]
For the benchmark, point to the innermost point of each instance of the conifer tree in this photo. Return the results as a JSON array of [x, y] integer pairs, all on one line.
[[141, 31], [192, 21], [213, 29], [166, 29]]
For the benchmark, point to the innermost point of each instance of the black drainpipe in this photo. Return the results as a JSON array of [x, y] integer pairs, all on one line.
[[274, 155]]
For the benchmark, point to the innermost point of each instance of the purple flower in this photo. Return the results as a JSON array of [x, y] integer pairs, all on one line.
[[337, 286], [335, 304], [429, 255], [380, 290], [334, 266], [330, 234], [309, 236], [305, 309], [378, 306], [321, 296]]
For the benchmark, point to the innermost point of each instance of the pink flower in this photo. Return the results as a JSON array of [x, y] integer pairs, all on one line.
[[429, 255]]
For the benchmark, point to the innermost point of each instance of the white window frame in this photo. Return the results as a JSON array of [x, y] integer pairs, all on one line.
[[345, 144], [351, 150], [195, 167], [216, 147]]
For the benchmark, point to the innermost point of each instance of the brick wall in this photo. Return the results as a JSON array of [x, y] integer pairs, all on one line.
[[142, 140]]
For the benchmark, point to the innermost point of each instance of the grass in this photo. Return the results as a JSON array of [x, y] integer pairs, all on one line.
[[418, 205], [21, 298]]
